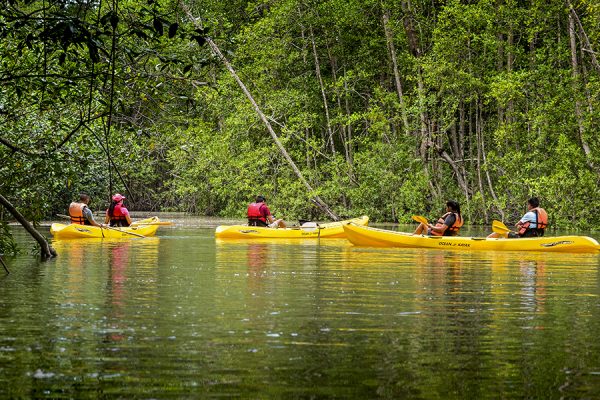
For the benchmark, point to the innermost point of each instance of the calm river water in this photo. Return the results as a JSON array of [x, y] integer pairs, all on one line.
[[182, 315]]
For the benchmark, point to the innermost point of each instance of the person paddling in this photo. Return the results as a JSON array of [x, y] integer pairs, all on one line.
[[80, 213], [260, 215], [447, 225], [532, 224], [117, 214]]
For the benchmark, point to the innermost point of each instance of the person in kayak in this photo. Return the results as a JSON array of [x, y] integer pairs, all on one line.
[[532, 224], [117, 214], [260, 215], [447, 225], [80, 213]]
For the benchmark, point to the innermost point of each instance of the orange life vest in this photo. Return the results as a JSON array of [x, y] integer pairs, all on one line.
[[254, 212], [541, 222], [76, 213], [458, 222]]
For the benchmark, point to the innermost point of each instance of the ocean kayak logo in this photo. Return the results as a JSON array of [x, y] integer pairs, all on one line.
[[249, 231], [454, 244], [552, 244]]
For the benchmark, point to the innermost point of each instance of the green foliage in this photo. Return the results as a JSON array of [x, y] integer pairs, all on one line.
[[7, 243], [481, 107]]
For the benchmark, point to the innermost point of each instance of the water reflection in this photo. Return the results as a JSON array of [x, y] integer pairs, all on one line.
[[185, 316], [103, 284]]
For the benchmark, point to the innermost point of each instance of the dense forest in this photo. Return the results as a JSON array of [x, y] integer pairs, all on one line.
[[379, 107]]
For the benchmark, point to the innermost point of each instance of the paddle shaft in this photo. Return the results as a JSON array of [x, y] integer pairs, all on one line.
[[120, 230]]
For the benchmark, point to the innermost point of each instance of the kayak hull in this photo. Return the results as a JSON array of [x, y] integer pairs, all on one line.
[[373, 237], [75, 231], [321, 231]]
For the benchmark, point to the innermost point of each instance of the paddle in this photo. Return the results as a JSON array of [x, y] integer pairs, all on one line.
[[500, 228], [120, 230], [420, 219]]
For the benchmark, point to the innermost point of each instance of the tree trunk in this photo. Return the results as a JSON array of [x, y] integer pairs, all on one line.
[[346, 131], [4, 265], [389, 37], [423, 142], [315, 198], [478, 133], [510, 60], [459, 177], [588, 45], [461, 136], [575, 73], [487, 172], [46, 250], [323, 94]]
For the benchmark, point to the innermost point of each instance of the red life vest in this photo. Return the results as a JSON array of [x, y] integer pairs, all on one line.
[[76, 213], [458, 222], [541, 221], [254, 212], [118, 217]]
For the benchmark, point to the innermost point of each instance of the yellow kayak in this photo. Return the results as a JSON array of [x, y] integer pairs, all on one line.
[[366, 236], [309, 231], [144, 227]]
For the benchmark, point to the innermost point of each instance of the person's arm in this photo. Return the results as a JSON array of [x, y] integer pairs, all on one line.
[[448, 222], [439, 228], [126, 214], [106, 218], [264, 210], [528, 217], [87, 213]]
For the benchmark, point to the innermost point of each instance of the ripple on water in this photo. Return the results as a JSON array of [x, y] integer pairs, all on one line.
[[185, 316]]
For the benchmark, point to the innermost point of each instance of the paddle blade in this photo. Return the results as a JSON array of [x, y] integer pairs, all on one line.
[[499, 227], [420, 219]]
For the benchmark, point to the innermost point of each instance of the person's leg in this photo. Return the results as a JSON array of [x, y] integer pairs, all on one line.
[[278, 223], [420, 229]]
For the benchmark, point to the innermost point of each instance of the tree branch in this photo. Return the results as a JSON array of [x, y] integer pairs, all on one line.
[[45, 153], [46, 249]]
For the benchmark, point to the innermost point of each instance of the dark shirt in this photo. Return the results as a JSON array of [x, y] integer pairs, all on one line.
[[449, 221]]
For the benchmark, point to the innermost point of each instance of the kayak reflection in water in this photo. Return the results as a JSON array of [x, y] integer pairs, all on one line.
[[260, 215]]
